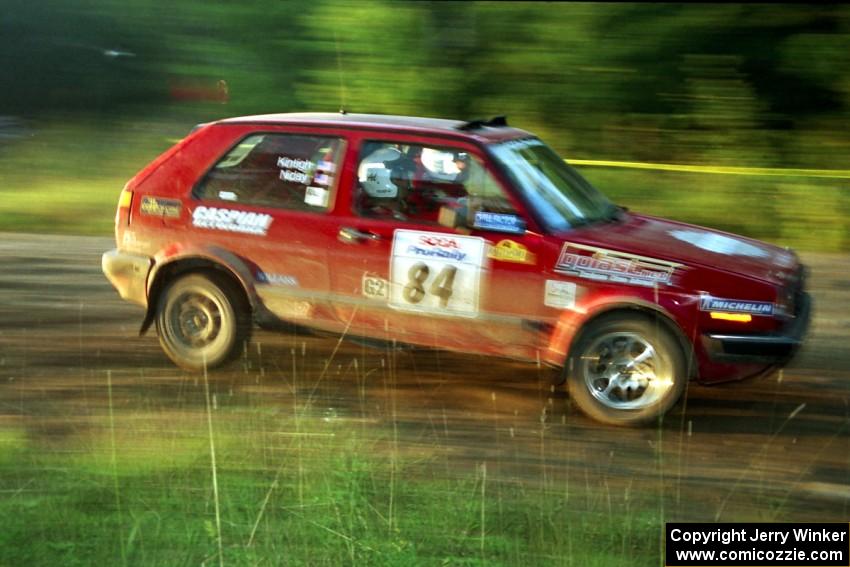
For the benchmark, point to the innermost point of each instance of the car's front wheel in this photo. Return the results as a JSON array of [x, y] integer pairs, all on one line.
[[202, 320], [626, 369]]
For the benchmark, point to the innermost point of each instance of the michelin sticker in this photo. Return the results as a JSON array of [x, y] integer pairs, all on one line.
[[615, 267], [560, 295], [434, 272], [230, 220], [736, 306], [499, 222]]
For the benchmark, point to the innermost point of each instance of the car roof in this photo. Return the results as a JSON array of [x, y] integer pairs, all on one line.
[[407, 124]]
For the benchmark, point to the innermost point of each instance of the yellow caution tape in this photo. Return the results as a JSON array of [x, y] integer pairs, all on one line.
[[724, 170]]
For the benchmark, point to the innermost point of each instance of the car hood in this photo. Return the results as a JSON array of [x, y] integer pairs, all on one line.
[[687, 244]]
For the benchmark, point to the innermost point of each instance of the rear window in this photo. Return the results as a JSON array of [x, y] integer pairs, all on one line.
[[286, 171]]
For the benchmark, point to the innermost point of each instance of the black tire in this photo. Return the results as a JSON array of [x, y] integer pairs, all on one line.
[[626, 369], [202, 320]]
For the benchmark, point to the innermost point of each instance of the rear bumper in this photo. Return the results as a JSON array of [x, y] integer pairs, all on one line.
[[762, 349], [128, 273]]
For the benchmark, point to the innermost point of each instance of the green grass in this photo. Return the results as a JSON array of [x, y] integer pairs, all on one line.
[[330, 496], [66, 178]]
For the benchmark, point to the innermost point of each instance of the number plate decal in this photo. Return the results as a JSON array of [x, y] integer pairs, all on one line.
[[434, 272]]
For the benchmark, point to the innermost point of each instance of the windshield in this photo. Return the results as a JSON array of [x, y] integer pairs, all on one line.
[[561, 197]]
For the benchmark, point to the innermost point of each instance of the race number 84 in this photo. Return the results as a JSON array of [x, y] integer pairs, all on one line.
[[441, 286]]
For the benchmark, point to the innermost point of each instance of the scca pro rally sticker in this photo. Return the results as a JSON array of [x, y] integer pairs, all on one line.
[[231, 221], [736, 306], [436, 273]]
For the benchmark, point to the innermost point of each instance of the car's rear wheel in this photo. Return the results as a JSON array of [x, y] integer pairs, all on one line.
[[202, 320], [626, 369]]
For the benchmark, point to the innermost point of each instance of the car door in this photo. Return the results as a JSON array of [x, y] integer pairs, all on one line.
[[410, 267]]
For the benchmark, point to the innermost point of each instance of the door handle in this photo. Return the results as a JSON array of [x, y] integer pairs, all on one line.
[[353, 236]]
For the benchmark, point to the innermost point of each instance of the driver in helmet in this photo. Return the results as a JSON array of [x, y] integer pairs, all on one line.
[[385, 177]]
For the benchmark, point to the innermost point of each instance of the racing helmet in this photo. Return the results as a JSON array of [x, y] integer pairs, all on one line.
[[382, 173]]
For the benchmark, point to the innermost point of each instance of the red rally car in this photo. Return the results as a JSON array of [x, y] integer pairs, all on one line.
[[467, 236]]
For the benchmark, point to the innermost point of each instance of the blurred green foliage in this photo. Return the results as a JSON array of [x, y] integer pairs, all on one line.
[[738, 85]]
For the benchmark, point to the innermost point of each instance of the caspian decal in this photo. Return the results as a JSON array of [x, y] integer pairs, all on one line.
[[719, 243], [616, 267], [158, 207], [510, 251], [736, 306], [231, 221]]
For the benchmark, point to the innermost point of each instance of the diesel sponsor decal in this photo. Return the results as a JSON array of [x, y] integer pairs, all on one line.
[[231, 221], [615, 267], [736, 306], [154, 206], [510, 251]]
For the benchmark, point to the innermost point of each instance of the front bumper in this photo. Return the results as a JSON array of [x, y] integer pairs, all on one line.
[[762, 349], [128, 273]]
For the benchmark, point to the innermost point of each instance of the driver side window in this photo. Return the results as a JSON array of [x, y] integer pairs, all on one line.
[[424, 184]]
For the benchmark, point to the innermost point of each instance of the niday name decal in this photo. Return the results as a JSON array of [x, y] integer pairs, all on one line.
[[231, 221], [736, 306], [611, 266]]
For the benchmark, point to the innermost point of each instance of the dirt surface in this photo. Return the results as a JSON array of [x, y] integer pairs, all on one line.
[[776, 448]]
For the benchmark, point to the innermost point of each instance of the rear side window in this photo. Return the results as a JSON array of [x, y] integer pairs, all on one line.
[[285, 171]]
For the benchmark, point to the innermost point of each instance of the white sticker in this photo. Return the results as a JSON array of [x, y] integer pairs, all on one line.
[[560, 295], [375, 287], [227, 195], [316, 196], [436, 272]]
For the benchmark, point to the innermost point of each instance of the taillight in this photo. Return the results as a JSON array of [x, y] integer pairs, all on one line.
[[125, 200]]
